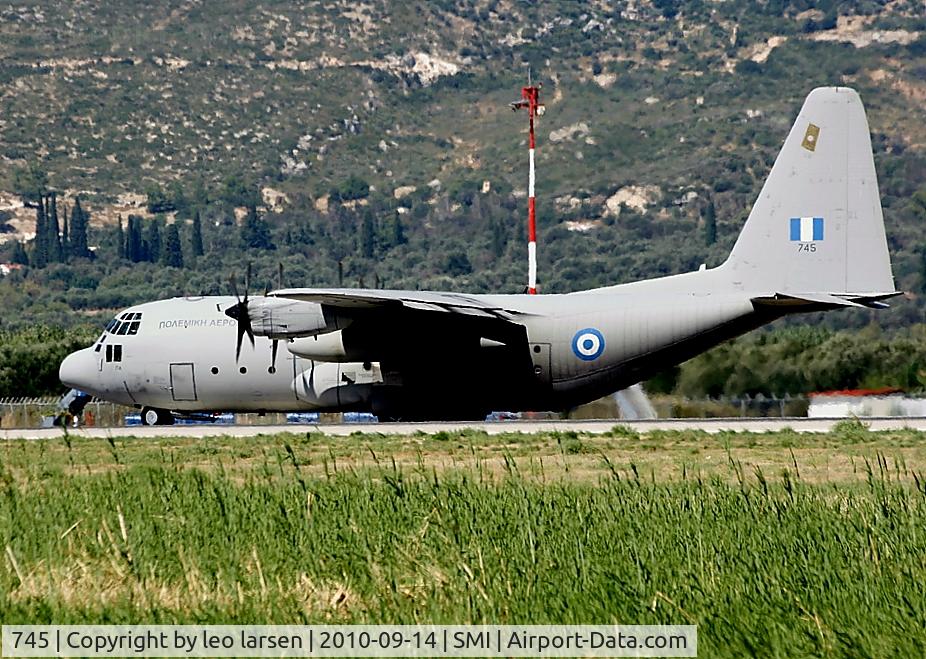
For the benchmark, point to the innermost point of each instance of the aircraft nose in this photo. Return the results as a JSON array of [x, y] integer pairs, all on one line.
[[77, 370]]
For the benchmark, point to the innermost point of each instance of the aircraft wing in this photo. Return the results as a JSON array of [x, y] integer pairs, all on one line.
[[349, 300]]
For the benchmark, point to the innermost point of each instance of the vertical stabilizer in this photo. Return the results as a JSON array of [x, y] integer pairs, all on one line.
[[817, 226]]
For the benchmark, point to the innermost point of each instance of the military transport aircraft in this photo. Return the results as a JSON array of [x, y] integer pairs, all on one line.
[[814, 240]]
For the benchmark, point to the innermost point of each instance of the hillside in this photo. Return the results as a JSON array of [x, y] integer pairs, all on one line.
[[378, 135]]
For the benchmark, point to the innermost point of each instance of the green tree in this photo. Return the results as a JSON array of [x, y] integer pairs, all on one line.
[[80, 220], [397, 232], [353, 188], [153, 241], [917, 204], [53, 228], [172, 254], [29, 359], [239, 192], [710, 223], [19, 254], [457, 263], [134, 244], [499, 237], [199, 196], [255, 233], [196, 237], [65, 238], [40, 243], [178, 198], [158, 200]]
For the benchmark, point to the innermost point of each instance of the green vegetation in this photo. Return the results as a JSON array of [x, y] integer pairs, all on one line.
[[733, 533], [29, 358], [801, 359]]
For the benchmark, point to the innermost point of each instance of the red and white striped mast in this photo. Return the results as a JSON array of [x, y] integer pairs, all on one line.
[[530, 99]]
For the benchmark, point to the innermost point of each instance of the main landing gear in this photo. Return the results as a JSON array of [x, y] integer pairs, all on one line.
[[153, 416]]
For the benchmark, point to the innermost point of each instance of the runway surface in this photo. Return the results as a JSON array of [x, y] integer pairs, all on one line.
[[798, 424]]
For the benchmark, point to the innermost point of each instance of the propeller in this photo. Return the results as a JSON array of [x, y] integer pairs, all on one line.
[[239, 311], [275, 344]]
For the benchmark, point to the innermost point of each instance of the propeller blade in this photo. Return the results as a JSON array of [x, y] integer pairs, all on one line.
[[234, 285], [239, 311], [238, 342], [273, 353], [281, 274]]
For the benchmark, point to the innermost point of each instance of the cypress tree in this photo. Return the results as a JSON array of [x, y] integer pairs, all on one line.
[[120, 240], [19, 254], [78, 235], [710, 223], [134, 246], [398, 231], [499, 239], [54, 229], [40, 249], [173, 254], [196, 239], [153, 241], [65, 239]]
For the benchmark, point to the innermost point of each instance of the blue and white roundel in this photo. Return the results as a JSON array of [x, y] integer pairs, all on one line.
[[588, 344]]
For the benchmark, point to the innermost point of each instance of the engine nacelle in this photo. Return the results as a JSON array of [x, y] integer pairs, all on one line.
[[280, 318], [334, 347], [321, 347], [325, 385]]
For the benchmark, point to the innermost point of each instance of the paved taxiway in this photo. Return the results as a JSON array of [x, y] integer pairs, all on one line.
[[492, 428]]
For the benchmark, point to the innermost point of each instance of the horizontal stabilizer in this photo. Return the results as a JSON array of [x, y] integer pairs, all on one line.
[[807, 299]]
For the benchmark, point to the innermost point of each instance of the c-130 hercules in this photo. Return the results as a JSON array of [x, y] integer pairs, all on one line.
[[814, 240]]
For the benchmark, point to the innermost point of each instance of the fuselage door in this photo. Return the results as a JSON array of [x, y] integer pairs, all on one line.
[[182, 382], [540, 355]]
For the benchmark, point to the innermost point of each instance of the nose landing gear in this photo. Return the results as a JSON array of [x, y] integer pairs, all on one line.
[[153, 416]]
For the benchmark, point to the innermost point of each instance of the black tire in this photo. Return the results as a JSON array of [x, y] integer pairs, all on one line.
[[152, 416]]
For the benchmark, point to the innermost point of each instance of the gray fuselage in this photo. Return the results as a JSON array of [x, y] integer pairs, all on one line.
[[569, 349]]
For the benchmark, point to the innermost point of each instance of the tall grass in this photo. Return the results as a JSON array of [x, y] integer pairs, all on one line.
[[763, 566]]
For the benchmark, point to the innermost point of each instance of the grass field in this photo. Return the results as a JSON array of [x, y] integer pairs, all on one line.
[[773, 544]]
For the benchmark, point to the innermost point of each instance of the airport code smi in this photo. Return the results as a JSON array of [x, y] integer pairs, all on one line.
[[196, 322]]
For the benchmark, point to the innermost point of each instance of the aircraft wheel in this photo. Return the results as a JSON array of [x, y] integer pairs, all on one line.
[[152, 416]]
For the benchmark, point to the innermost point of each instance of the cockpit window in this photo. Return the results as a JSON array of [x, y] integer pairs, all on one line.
[[113, 353], [126, 323]]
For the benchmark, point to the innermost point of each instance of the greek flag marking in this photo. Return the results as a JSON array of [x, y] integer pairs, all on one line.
[[806, 229]]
